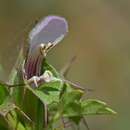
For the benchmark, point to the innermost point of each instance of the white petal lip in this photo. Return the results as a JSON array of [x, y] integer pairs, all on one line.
[[51, 29]]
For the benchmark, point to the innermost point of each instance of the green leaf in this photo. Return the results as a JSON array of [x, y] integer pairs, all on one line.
[[3, 93], [66, 89], [95, 107], [13, 123], [46, 66], [6, 104], [14, 77], [70, 97], [72, 109], [48, 92], [39, 116], [69, 104]]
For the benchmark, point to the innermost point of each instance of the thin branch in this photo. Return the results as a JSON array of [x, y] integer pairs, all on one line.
[[10, 85], [86, 124], [77, 86], [24, 114], [64, 71]]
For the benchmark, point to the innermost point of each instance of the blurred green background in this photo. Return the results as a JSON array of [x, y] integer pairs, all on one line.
[[99, 33]]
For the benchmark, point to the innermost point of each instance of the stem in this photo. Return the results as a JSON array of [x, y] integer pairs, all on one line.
[[85, 123]]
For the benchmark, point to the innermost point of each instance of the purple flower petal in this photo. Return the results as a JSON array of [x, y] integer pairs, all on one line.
[[51, 29]]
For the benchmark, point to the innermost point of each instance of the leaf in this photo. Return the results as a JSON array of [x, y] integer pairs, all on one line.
[[73, 109], [73, 95], [39, 116], [95, 107], [46, 66], [48, 92], [69, 104], [6, 104], [16, 77], [13, 77], [17, 92], [66, 89], [13, 123], [3, 93]]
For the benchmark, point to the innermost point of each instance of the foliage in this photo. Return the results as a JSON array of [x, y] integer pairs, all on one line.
[[46, 107]]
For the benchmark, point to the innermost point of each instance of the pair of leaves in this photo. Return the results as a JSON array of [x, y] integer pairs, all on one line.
[[72, 107]]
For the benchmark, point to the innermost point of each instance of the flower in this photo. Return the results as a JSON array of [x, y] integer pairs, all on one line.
[[45, 35]]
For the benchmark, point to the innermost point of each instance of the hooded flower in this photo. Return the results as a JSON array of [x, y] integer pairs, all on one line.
[[45, 35]]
